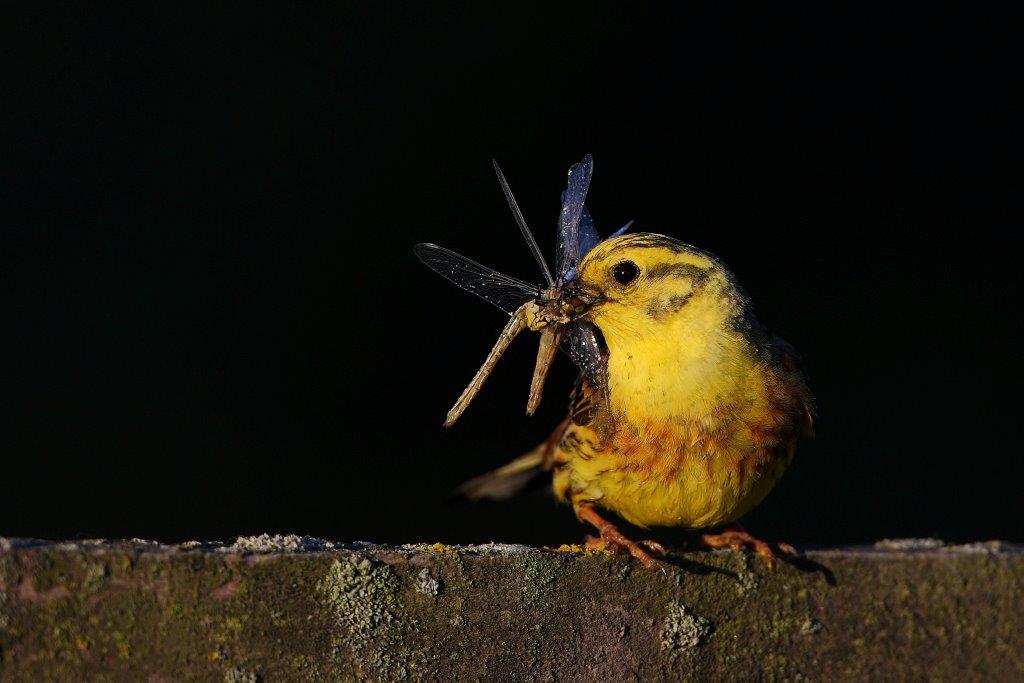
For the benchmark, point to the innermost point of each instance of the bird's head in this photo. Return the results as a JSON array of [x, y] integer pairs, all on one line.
[[644, 286]]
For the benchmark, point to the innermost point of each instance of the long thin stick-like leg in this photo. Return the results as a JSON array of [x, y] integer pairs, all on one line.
[[515, 325], [550, 338]]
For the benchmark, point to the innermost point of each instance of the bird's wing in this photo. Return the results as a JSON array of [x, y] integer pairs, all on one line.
[[787, 357], [589, 407], [581, 402]]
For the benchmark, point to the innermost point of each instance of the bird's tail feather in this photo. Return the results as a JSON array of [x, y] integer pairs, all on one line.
[[507, 480]]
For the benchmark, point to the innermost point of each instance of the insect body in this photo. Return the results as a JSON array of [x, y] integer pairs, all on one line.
[[687, 412], [550, 309]]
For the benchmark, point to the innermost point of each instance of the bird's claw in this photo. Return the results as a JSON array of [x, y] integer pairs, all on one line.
[[787, 549], [736, 538], [614, 541], [654, 547]]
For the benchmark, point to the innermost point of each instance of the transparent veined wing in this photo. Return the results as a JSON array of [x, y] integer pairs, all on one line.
[[567, 246], [581, 343], [588, 239], [588, 234], [507, 293]]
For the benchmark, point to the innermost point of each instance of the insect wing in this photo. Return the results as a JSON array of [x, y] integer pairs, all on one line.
[[581, 343], [588, 234], [567, 248], [498, 289]]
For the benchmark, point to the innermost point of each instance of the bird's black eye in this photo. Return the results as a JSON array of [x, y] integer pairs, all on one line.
[[625, 272]]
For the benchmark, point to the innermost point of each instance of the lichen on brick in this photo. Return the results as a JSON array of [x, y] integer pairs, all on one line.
[[746, 581], [266, 543], [909, 544], [810, 627], [682, 629], [239, 675], [427, 584], [535, 575], [93, 576], [363, 599]]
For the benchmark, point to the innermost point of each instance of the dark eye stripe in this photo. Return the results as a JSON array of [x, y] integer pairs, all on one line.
[[677, 271]]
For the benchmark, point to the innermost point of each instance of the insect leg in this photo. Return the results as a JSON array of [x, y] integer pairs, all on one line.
[[515, 325], [550, 338]]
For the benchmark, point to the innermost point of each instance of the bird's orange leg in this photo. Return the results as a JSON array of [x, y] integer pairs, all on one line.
[[736, 537], [612, 539]]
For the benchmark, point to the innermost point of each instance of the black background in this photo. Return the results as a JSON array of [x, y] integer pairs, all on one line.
[[214, 324]]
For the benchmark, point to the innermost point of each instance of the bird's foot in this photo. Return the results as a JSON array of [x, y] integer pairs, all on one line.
[[736, 537], [612, 540]]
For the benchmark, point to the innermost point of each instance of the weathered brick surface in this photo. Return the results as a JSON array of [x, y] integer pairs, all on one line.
[[300, 609]]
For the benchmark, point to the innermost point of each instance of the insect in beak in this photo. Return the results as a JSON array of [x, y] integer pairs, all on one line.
[[551, 319], [556, 309], [568, 304], [544, 315], [577, 299]]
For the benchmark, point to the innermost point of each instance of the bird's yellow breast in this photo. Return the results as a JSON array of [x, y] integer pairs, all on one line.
[[692, 459], [676, 476], [703, 426]]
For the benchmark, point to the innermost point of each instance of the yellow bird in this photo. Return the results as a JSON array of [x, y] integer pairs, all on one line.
[[695, 413]]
